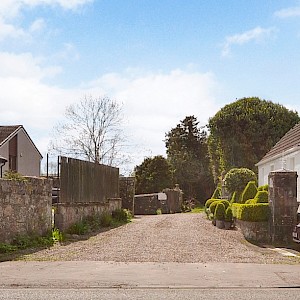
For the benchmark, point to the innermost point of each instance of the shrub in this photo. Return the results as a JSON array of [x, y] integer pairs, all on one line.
[[249, 191], [262, 197], [250, 201], [235, 198], [13, 175], [217, 193], [251, 212], [237, 178], [228, 214], [122, 215], [219, 211], [263, 188], [213, 205], [225, 202], [106, 219]]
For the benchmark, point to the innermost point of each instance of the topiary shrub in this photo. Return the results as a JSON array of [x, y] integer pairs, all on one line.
[[263, 188], [251, 212], [225, 202], [217, 193], [235, 208], [219, 212], [228, 214], [250, 201], [249, 191], [235, 197], [261, 197], [237, 178], [213, 205]]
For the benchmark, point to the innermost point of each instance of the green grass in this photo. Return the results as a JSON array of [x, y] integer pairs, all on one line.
[[197, 210]]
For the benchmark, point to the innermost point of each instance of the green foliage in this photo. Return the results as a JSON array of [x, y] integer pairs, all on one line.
[[217, 193], [235, 198], [263, 188], [242, 132], [13, 175], [213, 205], [187, 153], [122, 215], [250, 201], [57, 235], [158, 211], [251, 212], [80, 228], [225, 202], [228, 214], [7, 248], [153, 175], [249, 191], [106, 219], [237, 178], [219, 213], [262, 197]]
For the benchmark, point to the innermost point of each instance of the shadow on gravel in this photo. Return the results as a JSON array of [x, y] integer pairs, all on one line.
[[69, 239]]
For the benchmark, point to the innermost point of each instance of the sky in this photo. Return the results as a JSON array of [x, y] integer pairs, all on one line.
[[162, 60]]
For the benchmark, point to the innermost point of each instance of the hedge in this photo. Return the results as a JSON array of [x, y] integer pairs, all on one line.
[[251, 212], [219, 213], [249, 191], [262, 197]]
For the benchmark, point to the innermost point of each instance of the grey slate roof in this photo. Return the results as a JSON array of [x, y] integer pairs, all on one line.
[[290, 140]]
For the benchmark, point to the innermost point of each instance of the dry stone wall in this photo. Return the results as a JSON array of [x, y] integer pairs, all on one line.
[[25, 207]]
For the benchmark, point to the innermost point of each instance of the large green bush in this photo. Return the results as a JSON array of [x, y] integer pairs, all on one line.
[[251, 212], [237, 178], [262, 197], [219, 212], [249, 191]]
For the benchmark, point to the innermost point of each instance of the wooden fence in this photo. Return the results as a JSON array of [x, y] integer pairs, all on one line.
[[86, 182]]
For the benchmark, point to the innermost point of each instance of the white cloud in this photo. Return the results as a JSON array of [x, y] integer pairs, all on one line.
[[257, 34], [153, 103], [288, 12], [24, 66], [11, 9], [37, 25]]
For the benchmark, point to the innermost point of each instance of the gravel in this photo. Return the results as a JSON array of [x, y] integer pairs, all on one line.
[[187, 238]]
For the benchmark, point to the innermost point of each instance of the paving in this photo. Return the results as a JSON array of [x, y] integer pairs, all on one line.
[[95, 274]]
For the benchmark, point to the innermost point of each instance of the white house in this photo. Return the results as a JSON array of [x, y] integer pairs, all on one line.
[[19, 150], [284, 155]]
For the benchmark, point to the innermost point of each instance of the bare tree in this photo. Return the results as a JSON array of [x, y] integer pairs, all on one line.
[[92, 131]]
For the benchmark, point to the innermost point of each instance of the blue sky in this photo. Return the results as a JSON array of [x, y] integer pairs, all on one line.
[[163, 60]]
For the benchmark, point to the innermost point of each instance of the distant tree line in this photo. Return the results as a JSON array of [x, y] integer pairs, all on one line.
[[238, 135]]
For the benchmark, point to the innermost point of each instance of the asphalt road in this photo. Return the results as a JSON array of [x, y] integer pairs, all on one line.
[[151, 294]]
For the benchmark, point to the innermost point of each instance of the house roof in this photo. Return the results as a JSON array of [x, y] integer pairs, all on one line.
[[8, 132], [290, 141]]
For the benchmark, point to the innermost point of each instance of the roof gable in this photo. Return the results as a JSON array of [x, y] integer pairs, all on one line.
[[8, 132], [290, 140]]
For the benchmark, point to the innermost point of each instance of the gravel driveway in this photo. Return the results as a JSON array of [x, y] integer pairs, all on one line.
[[164, 238]]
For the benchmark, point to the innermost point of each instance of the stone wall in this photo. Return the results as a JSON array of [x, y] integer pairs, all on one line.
[[255, 231], [25, 207], [67, 214]]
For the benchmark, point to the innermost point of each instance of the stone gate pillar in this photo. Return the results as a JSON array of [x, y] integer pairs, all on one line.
[[127, 191], [283, 204]]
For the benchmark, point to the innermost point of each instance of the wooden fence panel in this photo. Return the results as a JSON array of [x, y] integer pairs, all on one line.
[[86, 182]]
